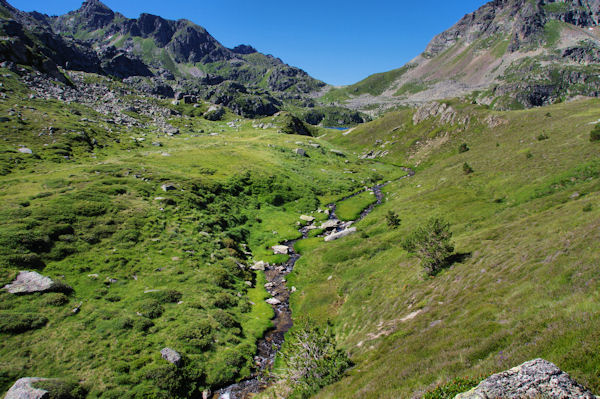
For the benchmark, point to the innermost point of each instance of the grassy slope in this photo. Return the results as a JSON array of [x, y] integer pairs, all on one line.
[[189, 241], [529, 287], [375, 85]]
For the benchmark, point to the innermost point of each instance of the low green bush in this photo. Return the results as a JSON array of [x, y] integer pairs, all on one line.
[[467, 169], [595, 134], [151, 309], [452, 388], [16, 323], [58, 389], [432, 243], [310, 359]]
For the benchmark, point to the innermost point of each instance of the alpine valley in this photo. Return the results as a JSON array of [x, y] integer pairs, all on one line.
[[180, 219]]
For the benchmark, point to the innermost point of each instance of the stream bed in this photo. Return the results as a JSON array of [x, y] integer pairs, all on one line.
[[269, 345]]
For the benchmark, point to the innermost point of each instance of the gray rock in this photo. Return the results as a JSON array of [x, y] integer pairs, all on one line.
[[273, 301], [281, 249], [330, 224], [22, 389], [30, 282], [171, 356], [307, 218], [214, 113], [534, 379], [259, 265], [340, 234], [168, 187], [300, 151], [25, 150]]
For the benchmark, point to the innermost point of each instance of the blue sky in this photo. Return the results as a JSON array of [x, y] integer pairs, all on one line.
[[339, 42]]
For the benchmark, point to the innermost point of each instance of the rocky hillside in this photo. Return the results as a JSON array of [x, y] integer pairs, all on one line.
[[508, 54], [161, 57]]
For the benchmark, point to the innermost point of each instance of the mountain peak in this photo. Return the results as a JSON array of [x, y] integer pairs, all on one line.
[[96, 13]]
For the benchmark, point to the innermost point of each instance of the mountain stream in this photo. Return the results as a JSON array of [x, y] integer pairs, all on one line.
[[276, 275]]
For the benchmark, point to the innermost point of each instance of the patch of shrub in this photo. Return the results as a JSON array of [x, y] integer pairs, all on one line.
[[463, 148], [55, 299], [543, 137], [452, 388], [151, 309], [392, 219], [25, 261], [198, 335], [89, 208], [15, 323], [587, 208], [58, 389], [224, 301], [113, 298], [310, 359], [225, 319], [432, 243], [168, 296], [467, 169], [595, 134], [142, 324]]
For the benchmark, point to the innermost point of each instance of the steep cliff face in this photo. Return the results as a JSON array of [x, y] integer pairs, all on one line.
[[507, 54]]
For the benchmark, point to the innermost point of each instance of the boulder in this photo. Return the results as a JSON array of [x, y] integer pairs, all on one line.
[[171, 130], [300, 151], [273, 301], [340, 234], [25, 150], [23, 389], [171, 356], [330, 224], [534, 379], [306, 218], [168, 187], [260, 265], [281, 249], [214, 113], [30, 282]]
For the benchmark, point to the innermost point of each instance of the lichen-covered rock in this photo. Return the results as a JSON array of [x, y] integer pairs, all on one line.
[[171, 356], [30, 282], [23, 389], [534, 379]]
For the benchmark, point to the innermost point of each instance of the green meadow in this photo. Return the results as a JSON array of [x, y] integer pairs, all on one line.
[[523, 283], [155, 235]]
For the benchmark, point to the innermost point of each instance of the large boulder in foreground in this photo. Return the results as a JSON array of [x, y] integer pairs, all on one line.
[[23, 389], [534, 379], [31, 282]]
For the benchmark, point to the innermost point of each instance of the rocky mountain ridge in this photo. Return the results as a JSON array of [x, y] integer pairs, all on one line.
[[508, 54], [162, 57]]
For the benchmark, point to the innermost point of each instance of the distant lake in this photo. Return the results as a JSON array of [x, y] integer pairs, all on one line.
[[337, 128]]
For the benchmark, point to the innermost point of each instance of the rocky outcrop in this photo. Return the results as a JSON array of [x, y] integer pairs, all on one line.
[[523, 20], [445, 112], [534, 379], [23, 389], [31, 282]]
